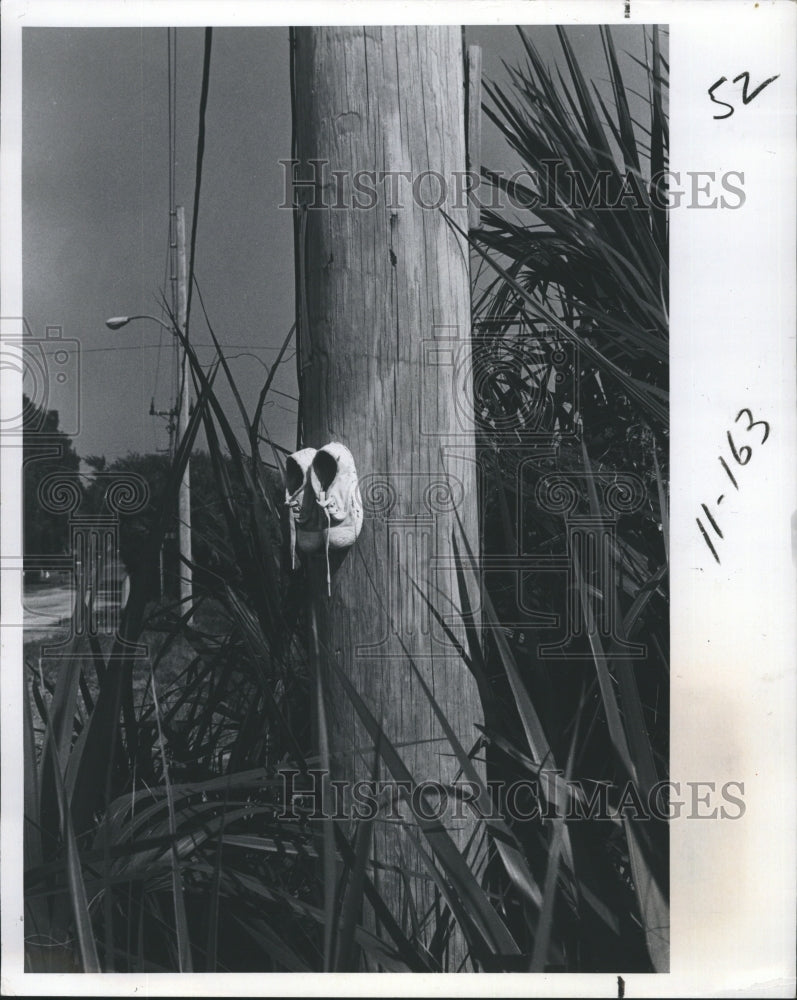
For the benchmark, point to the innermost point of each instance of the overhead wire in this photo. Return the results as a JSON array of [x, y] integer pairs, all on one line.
[[152, 347], [180, 378], [173, 211], [244, 353], [200, 155]]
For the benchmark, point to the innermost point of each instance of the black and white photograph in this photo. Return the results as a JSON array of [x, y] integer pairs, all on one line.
[[398, 465]]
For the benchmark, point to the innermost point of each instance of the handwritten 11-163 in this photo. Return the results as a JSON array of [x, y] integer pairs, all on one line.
[[741, 455]]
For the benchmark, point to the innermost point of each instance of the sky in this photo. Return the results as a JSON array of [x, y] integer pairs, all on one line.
[[95, 210]]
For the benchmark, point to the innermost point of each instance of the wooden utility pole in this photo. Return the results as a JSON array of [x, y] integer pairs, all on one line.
[[474, 130], [183, 416], [383, 301]]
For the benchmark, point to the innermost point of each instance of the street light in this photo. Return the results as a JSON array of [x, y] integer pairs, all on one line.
[[117, 322], [184, 497]]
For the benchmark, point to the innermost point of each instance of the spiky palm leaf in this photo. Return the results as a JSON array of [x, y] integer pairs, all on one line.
[[597, 264]]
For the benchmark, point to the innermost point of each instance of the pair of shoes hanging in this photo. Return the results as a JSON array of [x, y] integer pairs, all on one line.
[[322, 495]]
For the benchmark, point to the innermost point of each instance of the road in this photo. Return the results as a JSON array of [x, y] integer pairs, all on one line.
[[47, 608]]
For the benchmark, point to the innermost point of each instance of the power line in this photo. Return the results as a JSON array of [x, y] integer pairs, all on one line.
[[200, 155], [152, 347], [176, 386]]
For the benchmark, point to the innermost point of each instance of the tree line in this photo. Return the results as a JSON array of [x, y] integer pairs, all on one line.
[[47, 449]]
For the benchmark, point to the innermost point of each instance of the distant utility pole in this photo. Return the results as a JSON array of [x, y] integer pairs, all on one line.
[[183, 412]]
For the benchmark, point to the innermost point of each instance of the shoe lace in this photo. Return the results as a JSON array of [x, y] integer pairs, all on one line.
[[325, 503], [294, 505], [329, 505]]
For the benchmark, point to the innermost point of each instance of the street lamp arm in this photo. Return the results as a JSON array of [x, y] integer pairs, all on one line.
[[117, 322]]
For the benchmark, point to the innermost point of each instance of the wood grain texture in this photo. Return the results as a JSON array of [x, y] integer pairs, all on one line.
[[474, 136], [384, 304]]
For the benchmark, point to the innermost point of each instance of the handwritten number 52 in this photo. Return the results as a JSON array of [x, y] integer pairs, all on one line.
[[746, 96]]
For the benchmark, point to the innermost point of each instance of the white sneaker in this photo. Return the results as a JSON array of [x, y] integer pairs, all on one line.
[[305, 526], [333, 479]]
